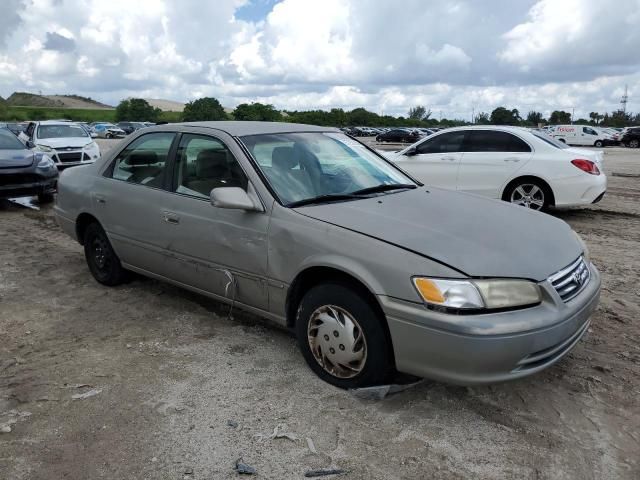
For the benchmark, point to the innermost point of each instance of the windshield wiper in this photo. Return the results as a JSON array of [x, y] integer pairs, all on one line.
[[323, 199], [384, 188]]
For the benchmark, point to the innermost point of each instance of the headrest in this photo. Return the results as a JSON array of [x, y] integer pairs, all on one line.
[[212, 164], [282, 158], [143, 158]]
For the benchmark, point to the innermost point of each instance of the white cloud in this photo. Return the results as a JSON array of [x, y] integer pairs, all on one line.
[[453, 56]]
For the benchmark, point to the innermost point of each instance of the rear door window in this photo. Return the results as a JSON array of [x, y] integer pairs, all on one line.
[[446, 143], [494, 141], [143, 161]]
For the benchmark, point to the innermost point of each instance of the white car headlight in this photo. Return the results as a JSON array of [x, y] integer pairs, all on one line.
[[46, 162], [44, 148], [477, 294], [90, 146]]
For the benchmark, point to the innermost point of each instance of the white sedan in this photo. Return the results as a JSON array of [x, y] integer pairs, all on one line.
[[518, 165]]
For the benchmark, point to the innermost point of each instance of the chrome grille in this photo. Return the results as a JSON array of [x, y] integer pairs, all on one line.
[[70, 157], [570, 281]]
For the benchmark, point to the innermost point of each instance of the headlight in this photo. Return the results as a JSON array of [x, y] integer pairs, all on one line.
[[44, 148], [46, 162], [477, 294], [90, 146], [585, 249]]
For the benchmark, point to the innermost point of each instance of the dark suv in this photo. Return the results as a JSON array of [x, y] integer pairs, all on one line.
[[631, 137]]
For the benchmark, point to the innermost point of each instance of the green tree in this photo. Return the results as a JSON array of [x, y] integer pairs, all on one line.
[[419, 113], [257, 111], [559, 117], [503, 116], [595, 117], [535, 118], [620, 119], [203, 109], [482, 118], [136, 110]]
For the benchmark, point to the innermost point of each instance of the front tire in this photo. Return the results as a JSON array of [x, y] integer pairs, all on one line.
[[635, 143], [342, 338], [598, 144], [102, 261]]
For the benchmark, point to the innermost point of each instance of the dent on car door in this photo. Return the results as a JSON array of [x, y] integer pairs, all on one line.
[[437, 159], [129, 200], [221, 251], [491, 158]]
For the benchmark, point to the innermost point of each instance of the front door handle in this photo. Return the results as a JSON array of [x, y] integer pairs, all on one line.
[[511, 159], [450, 159], [100, 199], [170, 217]]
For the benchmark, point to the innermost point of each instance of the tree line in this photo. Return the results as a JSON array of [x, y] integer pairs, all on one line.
[[504, 116]]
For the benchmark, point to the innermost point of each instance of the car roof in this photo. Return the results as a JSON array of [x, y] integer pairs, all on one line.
[[240, 129], [56, 122]]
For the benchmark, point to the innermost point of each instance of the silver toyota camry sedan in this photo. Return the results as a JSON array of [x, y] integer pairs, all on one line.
[[374, 271]]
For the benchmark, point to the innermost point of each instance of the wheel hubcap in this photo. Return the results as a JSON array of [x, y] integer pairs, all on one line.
[[528, 195], [99, 253], [337, 341]]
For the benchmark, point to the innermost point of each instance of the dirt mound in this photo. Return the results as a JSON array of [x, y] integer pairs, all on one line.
[[165, 105], [24, 99]]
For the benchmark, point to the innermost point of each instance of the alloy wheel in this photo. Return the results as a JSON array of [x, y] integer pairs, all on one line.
[[337, 341], [634, 143], [528, 195], [100, 252]]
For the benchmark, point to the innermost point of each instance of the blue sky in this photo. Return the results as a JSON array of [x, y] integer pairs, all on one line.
[[255, 10]]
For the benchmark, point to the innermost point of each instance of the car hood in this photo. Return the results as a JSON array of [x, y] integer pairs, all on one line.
[[477, 236], [16, 158], [76, 142]]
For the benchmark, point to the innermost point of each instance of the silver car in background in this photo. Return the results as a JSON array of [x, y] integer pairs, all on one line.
[[310, 228]]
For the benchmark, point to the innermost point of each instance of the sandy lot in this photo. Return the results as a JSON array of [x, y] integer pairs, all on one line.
[[173, 387]]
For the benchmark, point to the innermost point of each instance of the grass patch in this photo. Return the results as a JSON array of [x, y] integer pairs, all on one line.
[[21, 114]]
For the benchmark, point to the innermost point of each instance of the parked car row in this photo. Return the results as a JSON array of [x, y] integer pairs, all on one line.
[[375, 132], [374, 271]]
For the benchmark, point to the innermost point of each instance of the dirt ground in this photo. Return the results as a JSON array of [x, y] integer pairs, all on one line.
[[175, 389]]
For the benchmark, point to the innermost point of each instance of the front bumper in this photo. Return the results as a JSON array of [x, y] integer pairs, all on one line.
[[29, 189], [69, 158], [488, 348]]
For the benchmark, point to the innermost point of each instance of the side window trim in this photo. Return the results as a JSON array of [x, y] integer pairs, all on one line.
[[469, 136], [174, 181], [108, 171]]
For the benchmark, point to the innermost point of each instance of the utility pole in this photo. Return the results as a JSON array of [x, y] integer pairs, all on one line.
[[624, 100], [573, 111], [473, 115]]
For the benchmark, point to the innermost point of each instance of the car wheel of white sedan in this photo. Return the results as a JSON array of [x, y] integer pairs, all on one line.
[[528, 194], [342, 336]]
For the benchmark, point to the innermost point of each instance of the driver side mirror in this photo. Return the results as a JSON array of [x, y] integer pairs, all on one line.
[[411, 152], [30, 144], [234, 198]]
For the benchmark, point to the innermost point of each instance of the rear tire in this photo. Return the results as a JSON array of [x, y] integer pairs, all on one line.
[[635, 143], [342, 338], [101, 259], [529, 193]]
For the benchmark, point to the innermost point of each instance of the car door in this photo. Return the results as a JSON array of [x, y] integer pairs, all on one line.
[[435, 161], [589, 136], [490, 159], [130, 200], [221, 251]]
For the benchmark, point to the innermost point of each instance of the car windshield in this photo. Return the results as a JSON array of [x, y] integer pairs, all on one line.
[[301, 167], [61, 131], [8, 141], [550, 140]]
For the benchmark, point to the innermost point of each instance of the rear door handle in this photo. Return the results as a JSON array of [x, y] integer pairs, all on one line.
[[451, 159], [171, 217], [511, 159]]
